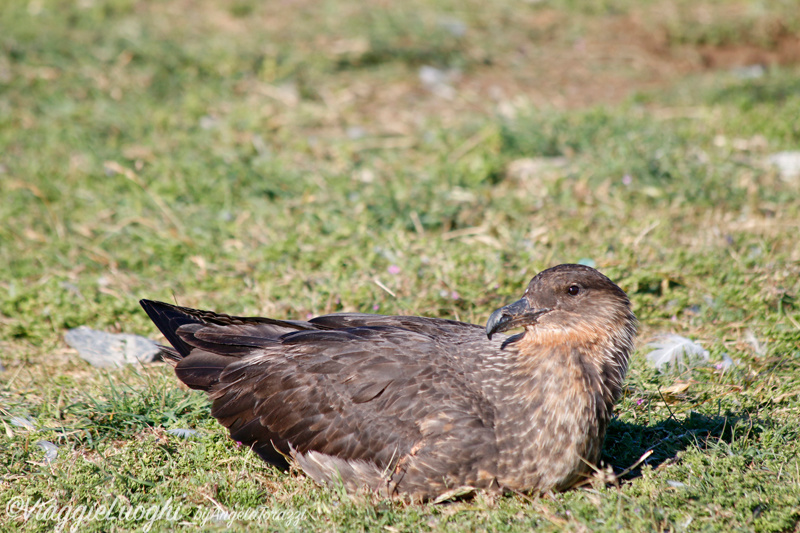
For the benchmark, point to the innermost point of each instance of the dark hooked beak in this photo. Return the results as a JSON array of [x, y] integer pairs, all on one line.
[[513, 316]]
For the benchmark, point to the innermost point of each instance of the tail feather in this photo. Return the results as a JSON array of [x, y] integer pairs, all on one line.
[[205, 343], [203, 369], [198, 369], [168, 318], [170, 355]]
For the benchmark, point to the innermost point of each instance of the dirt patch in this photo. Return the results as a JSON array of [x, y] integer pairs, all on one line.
[[785, 52], [613, 58], [603, 61], [364, 64]]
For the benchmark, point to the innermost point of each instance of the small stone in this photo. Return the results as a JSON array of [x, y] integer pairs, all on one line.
[[107, 350], [750, 72], [454, 26], [355, 132], [788, 164], [437, 81]]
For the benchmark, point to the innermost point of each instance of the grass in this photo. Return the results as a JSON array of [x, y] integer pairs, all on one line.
[[277, 161]]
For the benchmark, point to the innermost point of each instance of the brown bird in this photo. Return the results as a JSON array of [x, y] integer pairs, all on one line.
[[423, 407]]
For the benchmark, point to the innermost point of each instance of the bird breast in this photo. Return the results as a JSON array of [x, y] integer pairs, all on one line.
[[553, 410]]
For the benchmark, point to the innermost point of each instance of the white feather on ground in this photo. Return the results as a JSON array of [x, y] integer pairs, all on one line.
[[673, 350], [22, 422], [184, 433], [758, 347], [50, 450]]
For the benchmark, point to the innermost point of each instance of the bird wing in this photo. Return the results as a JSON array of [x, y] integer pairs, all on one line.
[[357, 392]]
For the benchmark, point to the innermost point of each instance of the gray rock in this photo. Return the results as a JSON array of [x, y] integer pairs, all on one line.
[[438, 81], [750, 72], [788, 164], [107, 350], [454, 26]]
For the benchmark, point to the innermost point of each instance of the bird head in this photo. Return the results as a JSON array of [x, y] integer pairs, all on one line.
[[568, 302]]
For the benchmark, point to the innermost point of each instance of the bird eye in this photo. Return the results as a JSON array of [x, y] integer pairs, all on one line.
[[573, 290]]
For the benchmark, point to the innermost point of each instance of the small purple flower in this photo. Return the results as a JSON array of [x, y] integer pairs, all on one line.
[[726, 363], [454, 295], [393, 269], [309, 316], [627, 179], [640, 401], [376, 307]]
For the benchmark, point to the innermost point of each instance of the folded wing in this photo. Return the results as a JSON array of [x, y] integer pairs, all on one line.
[[379, 398]]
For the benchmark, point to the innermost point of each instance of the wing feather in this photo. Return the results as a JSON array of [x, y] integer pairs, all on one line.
[[361, 388], [356, 394]]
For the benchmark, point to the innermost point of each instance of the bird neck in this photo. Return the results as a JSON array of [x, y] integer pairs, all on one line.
[[563, 397], [595, 355], [566, 375]]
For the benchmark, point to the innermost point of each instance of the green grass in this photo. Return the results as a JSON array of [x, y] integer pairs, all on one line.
[[265, 161]]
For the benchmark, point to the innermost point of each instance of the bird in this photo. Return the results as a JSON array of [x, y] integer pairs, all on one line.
[[414, 407]]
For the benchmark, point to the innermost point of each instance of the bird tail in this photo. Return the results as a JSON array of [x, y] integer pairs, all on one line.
[[197, 368], [204, 343], [168, 318]]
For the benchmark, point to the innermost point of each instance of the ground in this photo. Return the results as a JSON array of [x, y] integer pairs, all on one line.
[[426, 157]]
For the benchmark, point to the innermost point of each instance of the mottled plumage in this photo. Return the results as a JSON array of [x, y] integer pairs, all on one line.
[[420, 406]]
